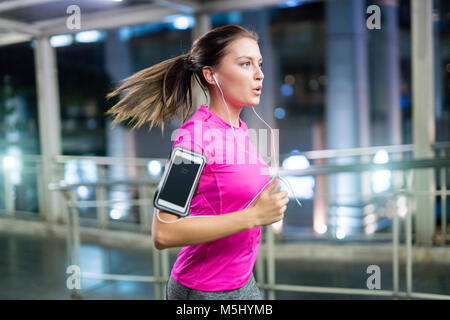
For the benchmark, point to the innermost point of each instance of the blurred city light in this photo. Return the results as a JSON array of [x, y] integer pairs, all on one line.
[[8, 162], [234, 17], [402, 207], [279, 113], [83, 192], [180, 22], [370, 218], [154, 168], [370, 229], [183, 22], [303, 186], [295, 162], [289, 79], [115, 214], [125, 33], [61, 40], [321, 228], [121, 207], [370, 223], [381, 157], [12, 164], [286, 90], [90, 36], [277, 227], [381, 179], [76, 171], [346, 220], [340, 234], [292, 3]]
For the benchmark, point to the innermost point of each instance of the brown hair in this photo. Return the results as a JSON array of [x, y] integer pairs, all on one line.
[[162, 91]]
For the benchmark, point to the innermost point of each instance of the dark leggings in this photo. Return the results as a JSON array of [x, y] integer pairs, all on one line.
[[177, 291]]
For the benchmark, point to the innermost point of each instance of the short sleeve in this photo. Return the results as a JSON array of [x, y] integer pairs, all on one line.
[[190, 136]]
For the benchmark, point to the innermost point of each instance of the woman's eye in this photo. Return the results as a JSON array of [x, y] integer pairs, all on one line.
[[248, 64]]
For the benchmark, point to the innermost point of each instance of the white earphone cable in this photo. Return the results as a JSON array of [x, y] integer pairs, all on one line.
[[272, 141]]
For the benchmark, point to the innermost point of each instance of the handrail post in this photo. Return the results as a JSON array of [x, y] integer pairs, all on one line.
[[41, 193], [260, 270], [69, 244], [157, 273], [143, 192], [423, 124], [73, 238], [270, 239], [165, 269], [101, 195], [9, 194], [395, 245], [443, 202], [409, 242]]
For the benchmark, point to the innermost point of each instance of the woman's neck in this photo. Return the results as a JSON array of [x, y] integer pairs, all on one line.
[[217, 106]]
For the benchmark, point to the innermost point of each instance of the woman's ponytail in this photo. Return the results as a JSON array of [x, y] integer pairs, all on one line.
[[155, 94]]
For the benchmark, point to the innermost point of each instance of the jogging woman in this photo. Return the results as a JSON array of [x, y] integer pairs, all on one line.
[[219, 252]]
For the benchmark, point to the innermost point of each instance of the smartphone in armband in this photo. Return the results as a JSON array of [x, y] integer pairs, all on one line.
[[179, 181]]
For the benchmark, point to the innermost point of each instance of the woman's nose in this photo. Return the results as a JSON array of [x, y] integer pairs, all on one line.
[[259, 74]]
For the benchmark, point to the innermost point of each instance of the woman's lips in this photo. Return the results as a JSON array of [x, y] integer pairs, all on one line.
[[257, 92]]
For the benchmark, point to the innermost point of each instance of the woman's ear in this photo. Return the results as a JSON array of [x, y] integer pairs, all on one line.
[[208, 75]]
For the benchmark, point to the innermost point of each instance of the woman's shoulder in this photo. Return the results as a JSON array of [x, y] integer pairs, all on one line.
[[191, 134], [195, 126]]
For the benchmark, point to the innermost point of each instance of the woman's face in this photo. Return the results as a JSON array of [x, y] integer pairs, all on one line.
[[239, 73]]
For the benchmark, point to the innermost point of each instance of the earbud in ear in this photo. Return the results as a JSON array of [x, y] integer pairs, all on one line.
[[215, 79]]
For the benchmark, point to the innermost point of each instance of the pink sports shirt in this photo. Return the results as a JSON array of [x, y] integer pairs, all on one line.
[[230, 180]]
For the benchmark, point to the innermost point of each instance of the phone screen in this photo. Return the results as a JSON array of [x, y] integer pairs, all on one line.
[[179, 182]]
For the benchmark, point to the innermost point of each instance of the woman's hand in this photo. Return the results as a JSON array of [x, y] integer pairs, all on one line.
[[266, 209], [270, 205]]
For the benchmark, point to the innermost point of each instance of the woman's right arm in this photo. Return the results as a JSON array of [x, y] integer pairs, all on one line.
[[267, 209]]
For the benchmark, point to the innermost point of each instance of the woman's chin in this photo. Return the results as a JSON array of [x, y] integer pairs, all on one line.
[[253, 103]]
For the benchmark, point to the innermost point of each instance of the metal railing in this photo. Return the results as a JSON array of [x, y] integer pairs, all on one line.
[[161, 262], [146, 187], [408, 192], [73, 232]]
